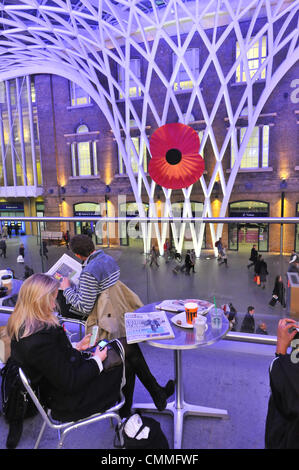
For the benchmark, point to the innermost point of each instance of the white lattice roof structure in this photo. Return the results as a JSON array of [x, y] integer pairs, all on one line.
[[84, 41]]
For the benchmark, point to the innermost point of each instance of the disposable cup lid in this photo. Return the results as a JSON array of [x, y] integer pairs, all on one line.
[[191, 305], [200, 319]]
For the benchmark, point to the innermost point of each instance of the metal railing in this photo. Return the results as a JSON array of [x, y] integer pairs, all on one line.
[[231, 336], [205, 220]]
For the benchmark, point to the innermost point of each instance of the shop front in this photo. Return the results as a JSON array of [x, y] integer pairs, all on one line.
[[243, 235], [130, 233], [88, 209], [13, 209]]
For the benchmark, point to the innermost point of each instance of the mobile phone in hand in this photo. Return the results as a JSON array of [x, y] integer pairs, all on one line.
[[94, 335], [101, 344]]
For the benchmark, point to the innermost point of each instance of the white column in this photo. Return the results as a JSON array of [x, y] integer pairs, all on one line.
[[31, 126], [20, 112], [11, 133], [3, 152]]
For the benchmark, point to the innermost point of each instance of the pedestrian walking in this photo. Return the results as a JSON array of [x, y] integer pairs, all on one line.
[[231, 314], [44, 249], [257, 270], [4, 231], [263, 273], [253, 256], [187, 265], [67, 238], [27, 271], [3, 247], [154, 256], [22, 250], [193, 259], [224, 256], [166, 248], [248, 323], [293, 257], [278, 294], [218, 245]]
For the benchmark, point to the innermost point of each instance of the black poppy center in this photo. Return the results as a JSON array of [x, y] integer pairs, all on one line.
[[173, 156]]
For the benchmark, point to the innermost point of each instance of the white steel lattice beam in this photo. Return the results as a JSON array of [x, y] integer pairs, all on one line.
[[89, 40]]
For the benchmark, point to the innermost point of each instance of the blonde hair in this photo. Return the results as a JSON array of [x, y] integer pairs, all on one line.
[[34, 307]]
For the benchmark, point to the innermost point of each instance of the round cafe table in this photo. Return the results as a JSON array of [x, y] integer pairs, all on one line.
[[184, 339], [16, 286]]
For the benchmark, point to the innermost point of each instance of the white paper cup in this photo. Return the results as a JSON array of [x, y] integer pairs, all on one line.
[[199, 325], [7, 281]]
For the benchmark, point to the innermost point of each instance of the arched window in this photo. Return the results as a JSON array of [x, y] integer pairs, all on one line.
[[84, 153]]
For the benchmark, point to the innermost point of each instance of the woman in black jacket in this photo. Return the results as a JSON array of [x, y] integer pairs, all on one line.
[[261, 270], [279, 290], [72, 382]]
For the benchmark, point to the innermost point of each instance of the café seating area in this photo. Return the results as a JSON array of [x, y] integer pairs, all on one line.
[[229, 374]]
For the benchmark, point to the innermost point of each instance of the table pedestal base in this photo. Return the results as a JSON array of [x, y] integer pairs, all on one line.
[[179, 408], [179, 415]]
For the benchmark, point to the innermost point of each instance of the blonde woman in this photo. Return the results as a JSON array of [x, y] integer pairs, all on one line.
[[72, 383]]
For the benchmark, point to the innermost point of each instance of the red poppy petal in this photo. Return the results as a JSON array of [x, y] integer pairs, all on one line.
[[191, 166], [174, 135]]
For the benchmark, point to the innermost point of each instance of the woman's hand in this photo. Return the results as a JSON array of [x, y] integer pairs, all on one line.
[[102, 354], [65, 283], [84, 343], [284, 337]]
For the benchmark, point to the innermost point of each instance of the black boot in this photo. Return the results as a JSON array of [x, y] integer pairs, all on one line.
[[14, 434], [137, 362], [160, 394], [128, 391]]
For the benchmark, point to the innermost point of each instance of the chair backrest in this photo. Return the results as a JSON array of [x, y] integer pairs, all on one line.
[[33, 396]]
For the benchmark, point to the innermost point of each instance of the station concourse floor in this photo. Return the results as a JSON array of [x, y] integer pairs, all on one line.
[[229, 375]]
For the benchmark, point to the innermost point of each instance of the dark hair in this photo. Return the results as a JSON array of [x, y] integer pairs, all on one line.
[[232, 308], [250, 308], [82, 245]]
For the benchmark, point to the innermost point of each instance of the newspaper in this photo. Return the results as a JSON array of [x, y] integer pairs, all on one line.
[[171, 306], [146, 326], [66, 267], [179, 305]]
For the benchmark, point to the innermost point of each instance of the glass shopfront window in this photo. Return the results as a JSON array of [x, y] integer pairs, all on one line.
[[130, 233], [14, 228], [87, 209], [40, 212], [243, 235]]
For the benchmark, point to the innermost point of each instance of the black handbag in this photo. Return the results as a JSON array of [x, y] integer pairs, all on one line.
[[156, 438], [16, 402], [273, 300], [115, 355]]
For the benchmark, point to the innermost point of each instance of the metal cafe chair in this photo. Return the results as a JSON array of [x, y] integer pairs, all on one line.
[[64, 428], [80, 322]]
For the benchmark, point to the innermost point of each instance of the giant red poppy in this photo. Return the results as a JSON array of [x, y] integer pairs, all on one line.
[[175, 162]]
